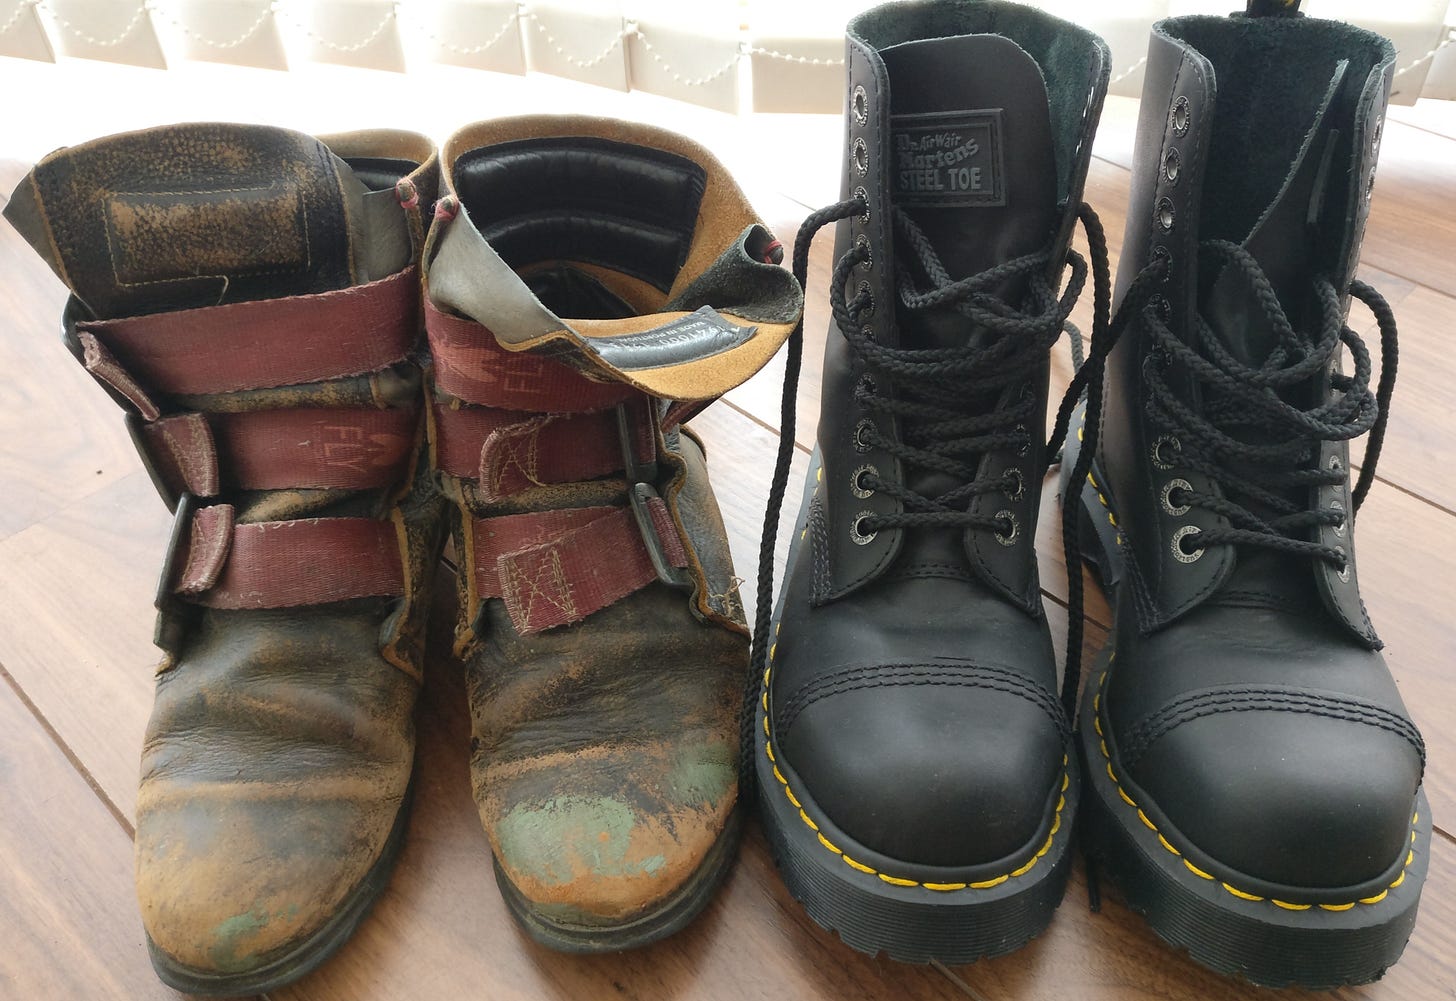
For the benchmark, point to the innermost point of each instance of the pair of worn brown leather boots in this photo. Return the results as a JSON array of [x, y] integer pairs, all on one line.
[[252, 298]]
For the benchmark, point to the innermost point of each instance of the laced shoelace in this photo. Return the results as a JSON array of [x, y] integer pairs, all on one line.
[[1246, 436], [945, 399]]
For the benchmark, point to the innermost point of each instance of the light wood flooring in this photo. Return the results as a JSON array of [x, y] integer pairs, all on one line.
[[81, 539]]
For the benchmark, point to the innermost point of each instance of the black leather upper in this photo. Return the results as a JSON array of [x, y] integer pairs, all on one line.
[[1248, 708], [912, 679]]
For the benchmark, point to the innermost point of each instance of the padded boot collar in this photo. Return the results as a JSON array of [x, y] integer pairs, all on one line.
[[681, 237]]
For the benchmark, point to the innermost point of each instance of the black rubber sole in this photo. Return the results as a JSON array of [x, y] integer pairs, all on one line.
[[309, 954], [1268, 943], [950, 921], [671, 916]]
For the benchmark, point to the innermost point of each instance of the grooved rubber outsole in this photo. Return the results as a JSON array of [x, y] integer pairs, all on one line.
[[668, 918], [911, 924], [1257, 940], [309, 954]]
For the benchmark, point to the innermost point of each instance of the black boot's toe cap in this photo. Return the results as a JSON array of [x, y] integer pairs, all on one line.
[[1290, 799], [956, 773]]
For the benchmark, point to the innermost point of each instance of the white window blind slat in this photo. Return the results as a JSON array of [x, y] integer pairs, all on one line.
[[22, 35]]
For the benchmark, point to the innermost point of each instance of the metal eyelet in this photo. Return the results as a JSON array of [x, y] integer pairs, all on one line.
[[860, 105], [1163, 308], [858, 537], [1344, 574], [864, 427], [860, 156], [858, 488], [1163, 213], [869, 255], [1008, 537], [1161, 253], [1168, 505], [1336, 466], [1179, 553], [1341, 526], [866, 385], [863, 196], [1018, 490], [1157, 450], [1182, 116], [1172, 164], [868, 309], [1021, 431]]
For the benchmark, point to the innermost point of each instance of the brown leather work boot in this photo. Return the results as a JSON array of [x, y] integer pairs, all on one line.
[[601, 627], [250, 296]]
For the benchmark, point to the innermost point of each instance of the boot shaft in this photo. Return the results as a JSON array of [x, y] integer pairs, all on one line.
[[1260, 133]]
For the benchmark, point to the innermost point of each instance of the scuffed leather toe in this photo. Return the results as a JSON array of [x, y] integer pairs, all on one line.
[[954, 770], [276, 763]]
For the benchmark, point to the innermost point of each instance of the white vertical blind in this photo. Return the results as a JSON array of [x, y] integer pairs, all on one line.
[[732, 55]]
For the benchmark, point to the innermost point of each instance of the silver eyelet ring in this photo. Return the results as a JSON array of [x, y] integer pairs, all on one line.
[[869, 262], [1020, 430], [856, 487], [869, 308], [863, 196], [1168, 506], [1164, 309], [860, 156], [1172, 164], [864, 426], [1157, 450], [1163, 213], [867, 385], [859, 104], [855, 535], [1336, 466], [1009, 537], [1182, 116], [1341, 526], [1179, 553], [1344, 574], [1018, 490]]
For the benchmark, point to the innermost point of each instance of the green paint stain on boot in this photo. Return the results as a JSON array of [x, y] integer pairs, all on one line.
[[702, 774], [230, 935], [555, 840]]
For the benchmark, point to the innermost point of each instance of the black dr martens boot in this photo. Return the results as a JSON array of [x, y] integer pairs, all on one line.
[[1255, 781], [917, 775]]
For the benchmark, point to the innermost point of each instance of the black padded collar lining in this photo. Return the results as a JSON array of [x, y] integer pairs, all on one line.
[[629, 208]]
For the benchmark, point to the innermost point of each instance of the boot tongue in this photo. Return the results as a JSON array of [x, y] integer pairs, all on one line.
[[1285, 240], [196, 215], [971, 163]]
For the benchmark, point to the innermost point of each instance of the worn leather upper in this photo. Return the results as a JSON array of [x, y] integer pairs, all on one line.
[[912, 675], [280, 747], [1248, 708]]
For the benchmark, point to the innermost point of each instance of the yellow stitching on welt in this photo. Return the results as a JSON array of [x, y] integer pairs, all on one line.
[[1235, 891], [767, 748], [807, 819], [829, 844], [944, 886], [987, 884], [858, 865], [896, 880]]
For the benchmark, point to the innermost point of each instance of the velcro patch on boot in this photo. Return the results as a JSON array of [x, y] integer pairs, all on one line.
[[950, 159]]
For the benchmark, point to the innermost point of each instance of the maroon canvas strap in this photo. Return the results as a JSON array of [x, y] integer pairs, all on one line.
[[350, 448], [259, 344], [471, 365], [552, 568], [285, 564], [508, 451]]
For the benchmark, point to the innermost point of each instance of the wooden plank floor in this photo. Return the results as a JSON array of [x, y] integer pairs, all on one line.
[[81, 538]]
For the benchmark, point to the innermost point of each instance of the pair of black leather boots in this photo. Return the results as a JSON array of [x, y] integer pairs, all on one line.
[[1243, 763]]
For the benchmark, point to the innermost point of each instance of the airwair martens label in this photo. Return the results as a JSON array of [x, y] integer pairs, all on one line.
[[950, 159]]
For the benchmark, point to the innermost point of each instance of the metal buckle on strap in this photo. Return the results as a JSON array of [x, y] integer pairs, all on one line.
[[641, 480]]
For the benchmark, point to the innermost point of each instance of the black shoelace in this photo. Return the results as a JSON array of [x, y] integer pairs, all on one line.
[[945, 399], [1246, 435]]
